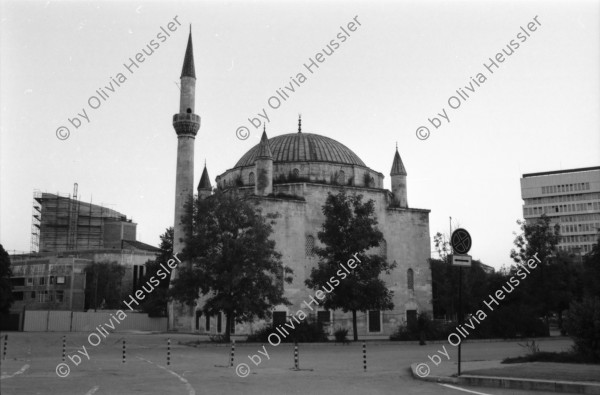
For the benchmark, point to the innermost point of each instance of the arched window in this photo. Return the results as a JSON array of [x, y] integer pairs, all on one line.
[[410, 279], [251, 178], [310, 246], [296, 173], [341, 177]]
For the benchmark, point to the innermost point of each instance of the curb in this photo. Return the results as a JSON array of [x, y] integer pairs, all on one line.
[[378, 342], [576, 387], [434, 379], [531, 384]]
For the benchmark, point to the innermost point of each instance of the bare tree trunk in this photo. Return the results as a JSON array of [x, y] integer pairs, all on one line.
[[354, 330]]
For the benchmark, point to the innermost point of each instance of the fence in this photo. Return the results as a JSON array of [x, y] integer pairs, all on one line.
[[68, 321]]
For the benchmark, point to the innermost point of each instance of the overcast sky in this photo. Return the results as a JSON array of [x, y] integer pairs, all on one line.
[[539, 110]]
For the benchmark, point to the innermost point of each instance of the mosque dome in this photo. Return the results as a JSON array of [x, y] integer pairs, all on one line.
[[304, 147]]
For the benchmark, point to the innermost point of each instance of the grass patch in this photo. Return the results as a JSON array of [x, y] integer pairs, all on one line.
[[558, 357]]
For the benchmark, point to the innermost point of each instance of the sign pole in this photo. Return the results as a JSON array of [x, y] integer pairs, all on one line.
[[461, 244], [460, 317]]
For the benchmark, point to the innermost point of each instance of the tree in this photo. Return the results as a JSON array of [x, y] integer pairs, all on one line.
[[104, 288], [155, 303], [583, 324], [583, 317], [591, 270], [234, 264], [550, 286], [445, 279], [6, 296], [350, 228]]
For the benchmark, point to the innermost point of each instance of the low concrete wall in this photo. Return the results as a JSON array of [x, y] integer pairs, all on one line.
[[67, 321]]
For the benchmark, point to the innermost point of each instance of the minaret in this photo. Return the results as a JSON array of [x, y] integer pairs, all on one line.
[[264, 168], [186, 125], [398, 174], [204, 187]]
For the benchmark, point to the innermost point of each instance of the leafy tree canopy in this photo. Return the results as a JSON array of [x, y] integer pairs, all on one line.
[[6, 296], [350, 228], [104, 287], [234, 264]]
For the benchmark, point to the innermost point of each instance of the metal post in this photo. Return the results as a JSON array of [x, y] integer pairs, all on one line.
[[296, 358], [5, 346], [168, 352], [232, 353], [365, 356], [72, 284], [64, 339], [96, 289], [124, 356], [460, 317]]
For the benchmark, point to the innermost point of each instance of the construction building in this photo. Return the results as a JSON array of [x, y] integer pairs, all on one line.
[[63, 223], [68, 235]]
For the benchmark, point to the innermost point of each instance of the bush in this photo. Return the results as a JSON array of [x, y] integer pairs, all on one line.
[[217, 338], [583, 325], [424, 325], [507, 323], [304, 332], [341, 335]]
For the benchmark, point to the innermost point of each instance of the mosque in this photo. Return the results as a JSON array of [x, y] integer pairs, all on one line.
[[291, 175]]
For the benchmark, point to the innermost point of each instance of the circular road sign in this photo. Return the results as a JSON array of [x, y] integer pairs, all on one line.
[[460, 241]]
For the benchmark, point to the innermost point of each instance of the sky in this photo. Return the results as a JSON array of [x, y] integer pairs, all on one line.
[[537, 110]]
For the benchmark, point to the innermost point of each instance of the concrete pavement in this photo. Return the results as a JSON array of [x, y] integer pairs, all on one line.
[[326, 368], [537, 376]]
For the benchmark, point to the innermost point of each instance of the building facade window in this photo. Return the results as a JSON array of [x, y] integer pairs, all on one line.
[[410, 279], [323, 317], [411, 317], [251, 178], [198, 315], [43, 296], [341, 177], [374, 318]]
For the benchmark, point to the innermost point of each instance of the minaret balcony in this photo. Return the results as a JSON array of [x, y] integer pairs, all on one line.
[[186, 123]]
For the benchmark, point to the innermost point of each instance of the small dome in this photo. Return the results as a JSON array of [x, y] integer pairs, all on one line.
[[304, 147]]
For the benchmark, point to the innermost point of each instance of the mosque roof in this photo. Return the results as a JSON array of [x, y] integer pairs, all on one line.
[[303, 147]]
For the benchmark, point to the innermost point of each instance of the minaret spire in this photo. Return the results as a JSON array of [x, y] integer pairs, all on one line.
[[263, 165], [264, 150], [188, 69], [398, 174], [299, 123], [397, 166], [204, 187]]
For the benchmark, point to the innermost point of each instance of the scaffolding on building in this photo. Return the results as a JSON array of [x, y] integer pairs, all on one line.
[[36, 215], [73, 220], [61, 222]]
